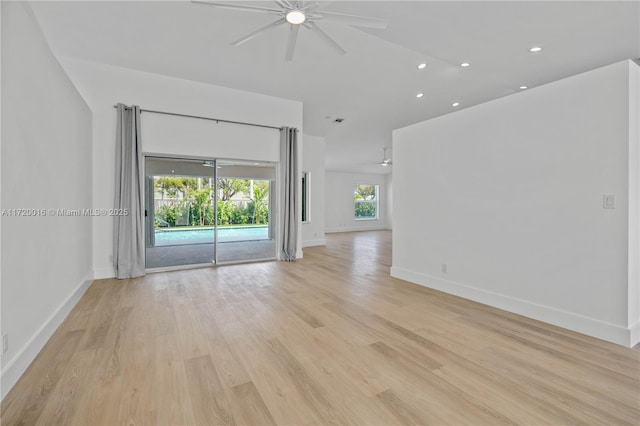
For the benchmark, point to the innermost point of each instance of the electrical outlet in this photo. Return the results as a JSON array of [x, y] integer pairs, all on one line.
[[5, 343], [445, 268], [608, 201]]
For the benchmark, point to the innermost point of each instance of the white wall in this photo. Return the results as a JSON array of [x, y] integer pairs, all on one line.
[[313, 163], [2, 389], [188, 137], [103, 86], [46, 164], [389, 200], [511, 199], [634, 201], [339, 202]]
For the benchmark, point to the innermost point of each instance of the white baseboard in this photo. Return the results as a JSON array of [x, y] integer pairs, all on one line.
[[575, 322], [634, 331], [102, 273], [19, 363], [312, 243], [355, 229]]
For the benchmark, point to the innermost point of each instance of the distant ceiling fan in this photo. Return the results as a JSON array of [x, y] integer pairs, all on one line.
[[386, 161], [297, 14]]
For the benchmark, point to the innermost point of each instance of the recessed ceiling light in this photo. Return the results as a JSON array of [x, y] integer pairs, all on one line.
[[419, 95], [422, 66], [296, 17], [535, 49], [455, 104], [523, 87], [465, 64]]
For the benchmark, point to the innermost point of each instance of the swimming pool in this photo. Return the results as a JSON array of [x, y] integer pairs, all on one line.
[[174, 236]]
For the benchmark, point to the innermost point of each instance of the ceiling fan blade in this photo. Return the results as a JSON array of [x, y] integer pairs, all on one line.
[[326, 38], [256, 32], [359, 21], [291, 43], [285, 4], [237, 6], [311, 6]]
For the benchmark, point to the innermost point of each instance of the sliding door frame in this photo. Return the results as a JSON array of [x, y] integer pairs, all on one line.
[[274, 215]]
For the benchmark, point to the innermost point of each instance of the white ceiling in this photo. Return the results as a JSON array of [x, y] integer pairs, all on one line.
[[373, 86]]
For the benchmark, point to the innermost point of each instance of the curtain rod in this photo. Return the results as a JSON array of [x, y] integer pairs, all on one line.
[[217, 120]]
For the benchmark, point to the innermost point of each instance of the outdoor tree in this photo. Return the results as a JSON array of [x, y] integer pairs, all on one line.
[[174, 185], [200, 199], [190, 201], [259, 199], [230, 187], [365, 192]]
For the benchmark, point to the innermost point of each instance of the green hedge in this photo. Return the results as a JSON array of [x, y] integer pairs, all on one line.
[[365, 210], [181, 213]]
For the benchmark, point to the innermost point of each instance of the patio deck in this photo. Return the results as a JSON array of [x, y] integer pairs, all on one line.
[[193, 254]]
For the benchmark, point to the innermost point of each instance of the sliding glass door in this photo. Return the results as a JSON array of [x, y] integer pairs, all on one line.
[[207, 211], [245, 199], [180, 212]]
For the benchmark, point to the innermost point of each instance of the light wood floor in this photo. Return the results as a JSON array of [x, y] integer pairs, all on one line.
[[330, 339]]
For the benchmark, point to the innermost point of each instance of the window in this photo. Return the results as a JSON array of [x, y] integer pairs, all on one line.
[[365, 202], [305, 197]]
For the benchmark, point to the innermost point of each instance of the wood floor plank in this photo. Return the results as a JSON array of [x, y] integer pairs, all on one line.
[[352, 360], [229, 366], [192, 338], [138, 367], [275, 386], [209, 401], [251, 407], [438, 390], [512, 402], [174, 403], [312, 393], [64, 406], [30, 396], [328, 339], [403, 413]]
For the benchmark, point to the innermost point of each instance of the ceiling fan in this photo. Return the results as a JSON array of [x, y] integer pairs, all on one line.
[[298, 14], [386, 161]]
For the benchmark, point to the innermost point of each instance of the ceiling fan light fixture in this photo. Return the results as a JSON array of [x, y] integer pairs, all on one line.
[[386, 161], [296, 17], [297, 13]]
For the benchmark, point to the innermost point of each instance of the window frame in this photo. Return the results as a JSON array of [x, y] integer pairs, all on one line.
[[306, 200]]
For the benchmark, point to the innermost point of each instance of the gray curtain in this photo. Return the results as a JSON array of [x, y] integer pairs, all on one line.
[[289, 169], [128, 236]]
